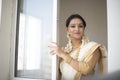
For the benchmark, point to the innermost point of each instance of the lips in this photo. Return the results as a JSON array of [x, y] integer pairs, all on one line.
[[77, 33]]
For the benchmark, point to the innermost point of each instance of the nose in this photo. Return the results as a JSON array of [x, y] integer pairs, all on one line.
[[76, 28]]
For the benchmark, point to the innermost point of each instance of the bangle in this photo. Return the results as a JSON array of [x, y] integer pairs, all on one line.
[[68, 59]]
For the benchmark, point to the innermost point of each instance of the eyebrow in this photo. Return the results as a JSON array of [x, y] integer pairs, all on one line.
[[78, 24]]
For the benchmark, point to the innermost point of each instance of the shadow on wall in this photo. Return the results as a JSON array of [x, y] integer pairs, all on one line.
[[110, 76]]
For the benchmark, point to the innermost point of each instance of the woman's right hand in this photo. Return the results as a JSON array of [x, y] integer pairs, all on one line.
[[55, 49]]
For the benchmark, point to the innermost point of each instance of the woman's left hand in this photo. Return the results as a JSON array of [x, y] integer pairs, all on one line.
[[55, 49]]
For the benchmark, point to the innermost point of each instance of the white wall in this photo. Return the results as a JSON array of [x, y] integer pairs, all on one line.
[[5, 32], [113, 35], [93, 11]]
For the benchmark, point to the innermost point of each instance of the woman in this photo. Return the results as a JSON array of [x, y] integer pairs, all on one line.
[[80, 56]]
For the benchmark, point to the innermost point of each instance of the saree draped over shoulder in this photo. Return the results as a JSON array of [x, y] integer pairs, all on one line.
[[88, 61]]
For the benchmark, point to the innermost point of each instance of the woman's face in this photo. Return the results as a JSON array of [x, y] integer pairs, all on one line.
[[75, 28]]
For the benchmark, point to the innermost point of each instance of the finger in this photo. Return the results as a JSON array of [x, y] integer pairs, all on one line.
[[50, 46], [53, 44], [52, 52]]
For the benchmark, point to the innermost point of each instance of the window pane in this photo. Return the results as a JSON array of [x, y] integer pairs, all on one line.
[[33, 36]]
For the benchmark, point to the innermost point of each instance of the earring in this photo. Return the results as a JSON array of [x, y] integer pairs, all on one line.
[[68, 36], [69, 39], [68, 48], [85, 39]]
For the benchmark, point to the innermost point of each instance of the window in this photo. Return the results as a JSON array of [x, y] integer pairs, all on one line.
[[36, 28]]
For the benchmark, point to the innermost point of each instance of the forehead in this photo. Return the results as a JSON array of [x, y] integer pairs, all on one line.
[[76, 21]]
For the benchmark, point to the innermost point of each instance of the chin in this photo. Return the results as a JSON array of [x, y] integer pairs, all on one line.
[[77, 37]]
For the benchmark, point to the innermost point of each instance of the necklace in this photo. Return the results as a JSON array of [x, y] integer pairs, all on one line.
[[77, 52]]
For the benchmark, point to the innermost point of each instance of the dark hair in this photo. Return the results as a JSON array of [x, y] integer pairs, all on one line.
[[75, 16]]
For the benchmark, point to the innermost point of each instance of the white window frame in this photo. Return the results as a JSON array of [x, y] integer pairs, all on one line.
[[13, 40], [0, 10]]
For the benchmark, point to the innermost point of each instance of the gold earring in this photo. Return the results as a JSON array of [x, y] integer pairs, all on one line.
[[68, 36], [69, 45]]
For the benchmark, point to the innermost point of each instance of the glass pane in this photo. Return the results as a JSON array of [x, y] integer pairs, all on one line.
[[33, 35]]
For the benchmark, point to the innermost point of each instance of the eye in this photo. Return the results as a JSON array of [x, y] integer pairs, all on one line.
[[73, 26], [80, 26]]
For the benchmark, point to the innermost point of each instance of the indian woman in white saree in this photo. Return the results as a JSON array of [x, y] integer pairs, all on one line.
[[81, 59]]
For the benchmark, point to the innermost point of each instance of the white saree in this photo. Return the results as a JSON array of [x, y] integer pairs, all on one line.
[[87, 49]]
